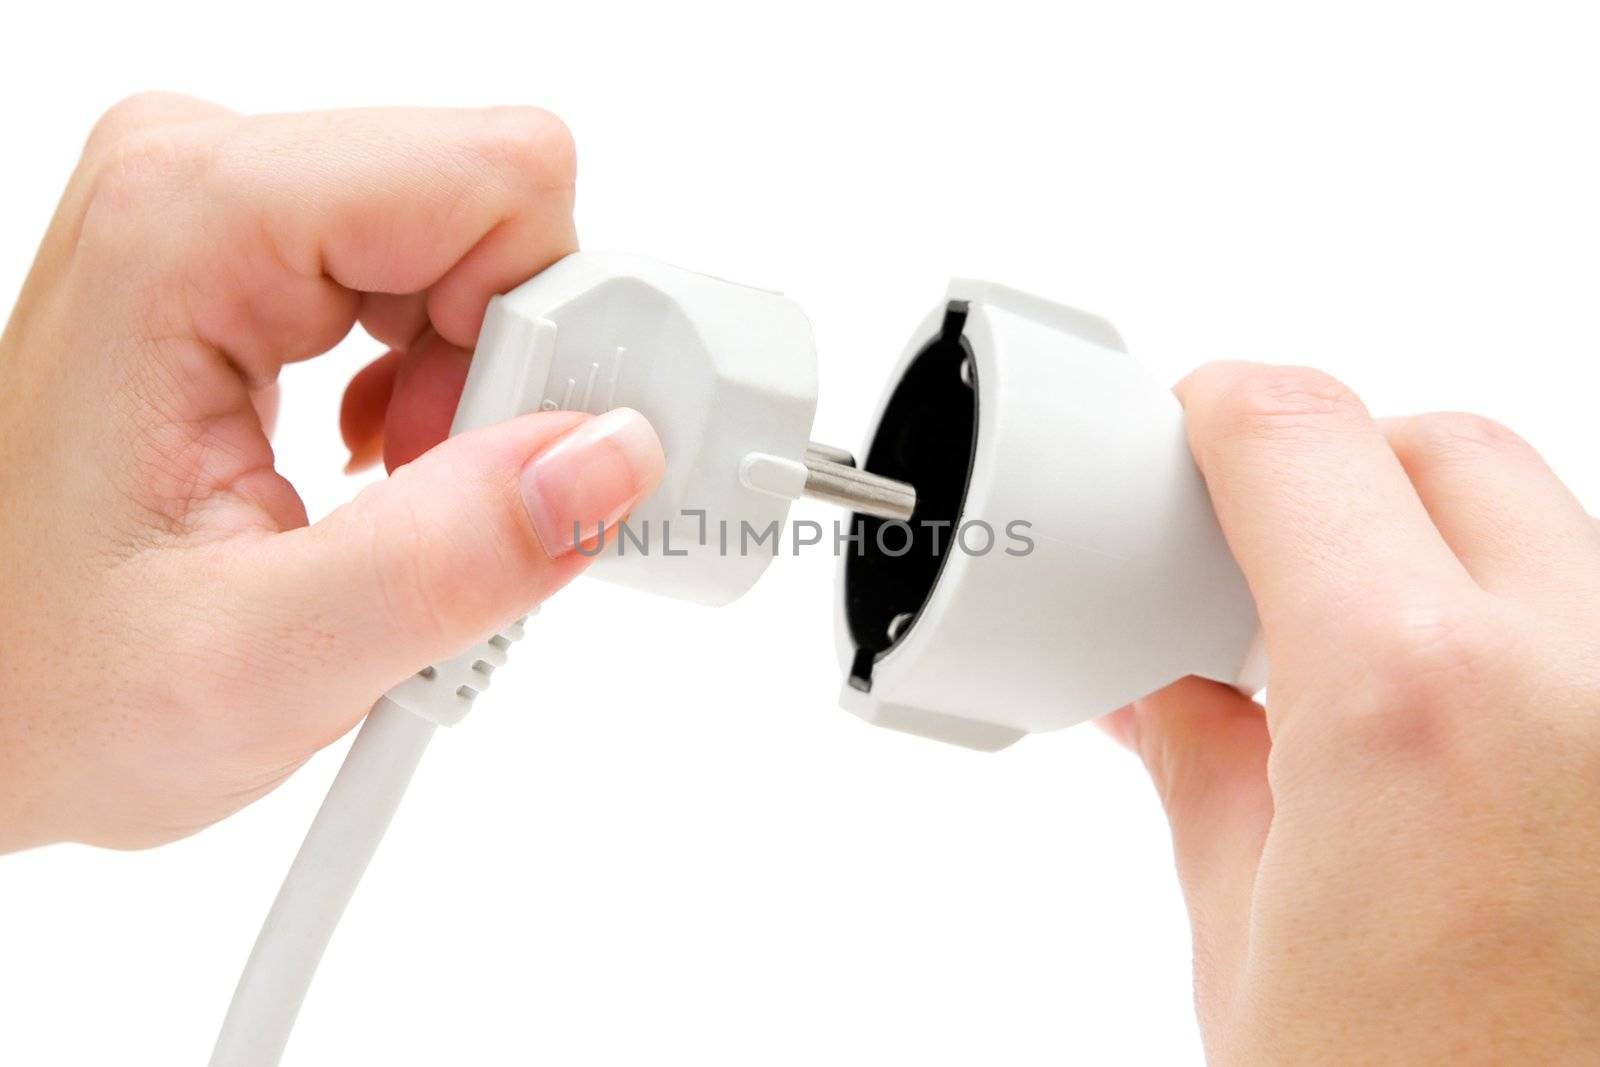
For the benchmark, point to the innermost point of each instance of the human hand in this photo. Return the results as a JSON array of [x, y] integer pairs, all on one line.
[[174, 639], [1396, 859]]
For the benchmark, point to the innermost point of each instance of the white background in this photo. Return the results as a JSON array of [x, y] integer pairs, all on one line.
[[658, 840]]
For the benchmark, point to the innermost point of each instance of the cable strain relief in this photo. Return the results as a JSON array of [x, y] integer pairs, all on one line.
[[444, 692]]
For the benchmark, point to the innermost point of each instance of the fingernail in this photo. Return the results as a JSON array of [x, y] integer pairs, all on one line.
[[593, 474]]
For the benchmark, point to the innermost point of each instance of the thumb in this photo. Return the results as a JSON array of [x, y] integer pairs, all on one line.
[[1206, 746], [452, 547]]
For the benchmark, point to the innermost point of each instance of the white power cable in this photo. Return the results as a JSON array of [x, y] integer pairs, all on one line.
[[638, 334], [342, 839]]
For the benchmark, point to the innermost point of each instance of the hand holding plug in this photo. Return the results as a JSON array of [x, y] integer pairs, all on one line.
[[194, 253]]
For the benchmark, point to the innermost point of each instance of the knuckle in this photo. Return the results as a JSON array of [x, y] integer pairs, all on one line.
[[127, 115], [1431, 655], [1265, 400], [143, 111], [1455, 436], [145, 166], [1426, 667], [535, 144]]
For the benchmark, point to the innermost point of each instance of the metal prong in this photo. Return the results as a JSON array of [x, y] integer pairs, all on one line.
[[870, 494], [829, 454]]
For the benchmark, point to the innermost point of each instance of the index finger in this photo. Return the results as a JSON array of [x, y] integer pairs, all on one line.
[[1316, 507]]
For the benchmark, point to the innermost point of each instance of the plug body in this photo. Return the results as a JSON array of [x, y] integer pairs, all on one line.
[[1081, 565], [727, 375]]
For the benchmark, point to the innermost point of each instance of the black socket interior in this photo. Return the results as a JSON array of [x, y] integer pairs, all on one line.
[[927, 437]]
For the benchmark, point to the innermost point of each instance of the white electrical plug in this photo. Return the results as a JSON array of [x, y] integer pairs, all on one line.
[[726, 374]]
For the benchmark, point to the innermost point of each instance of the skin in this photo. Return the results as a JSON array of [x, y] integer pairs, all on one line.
[[1394, 860], [214, 639]]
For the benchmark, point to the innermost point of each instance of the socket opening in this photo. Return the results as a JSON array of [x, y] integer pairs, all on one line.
[[928, 436]]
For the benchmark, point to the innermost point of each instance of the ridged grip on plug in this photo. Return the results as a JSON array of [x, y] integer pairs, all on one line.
[[444, 692]]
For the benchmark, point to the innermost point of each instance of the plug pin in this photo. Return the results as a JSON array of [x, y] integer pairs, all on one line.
[[832, 454], [843, 484]]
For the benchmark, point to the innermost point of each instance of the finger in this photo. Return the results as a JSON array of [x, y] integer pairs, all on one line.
[[1514, 525], [285, 219], [427, 388], [1314, 504], [448, 550], [394, 319], [364, 408], [1206, 748]]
